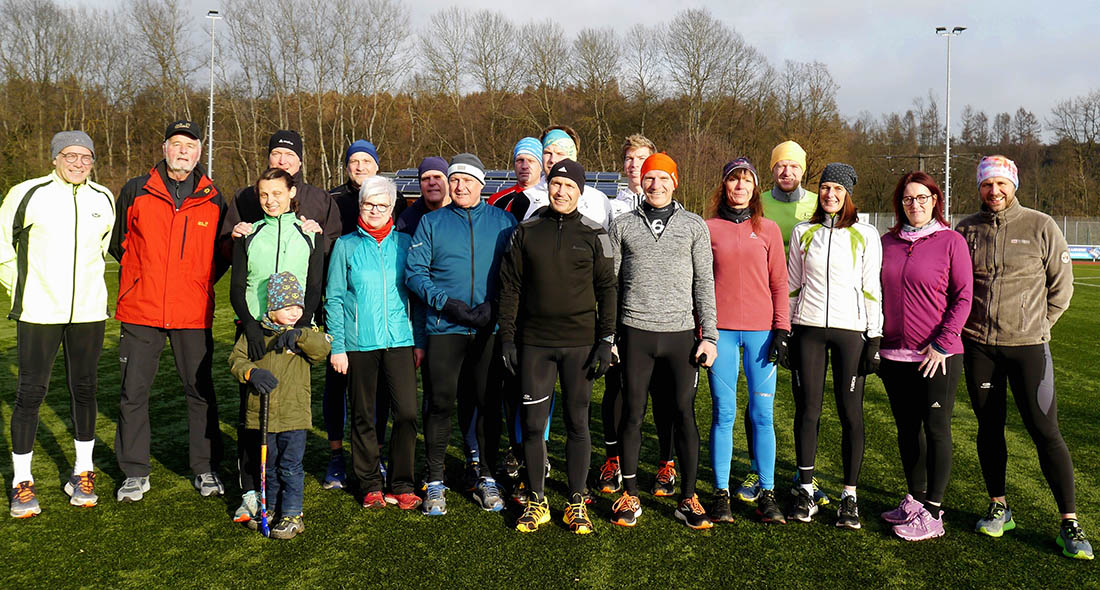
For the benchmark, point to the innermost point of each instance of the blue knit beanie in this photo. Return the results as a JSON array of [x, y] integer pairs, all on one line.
[[362, 145]]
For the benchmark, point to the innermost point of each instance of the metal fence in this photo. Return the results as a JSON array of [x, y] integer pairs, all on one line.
[[1078, 230]]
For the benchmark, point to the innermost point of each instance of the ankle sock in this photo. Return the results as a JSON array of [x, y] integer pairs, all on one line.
[[83, 456], [22, 468]]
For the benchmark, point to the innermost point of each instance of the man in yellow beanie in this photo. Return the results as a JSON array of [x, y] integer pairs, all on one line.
[[787, 203]]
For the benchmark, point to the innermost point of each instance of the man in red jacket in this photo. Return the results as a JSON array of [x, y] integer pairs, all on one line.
[[167, 242]]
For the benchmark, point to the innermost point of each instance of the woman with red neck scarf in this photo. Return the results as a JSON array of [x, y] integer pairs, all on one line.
[[927, 282], [370, 320]]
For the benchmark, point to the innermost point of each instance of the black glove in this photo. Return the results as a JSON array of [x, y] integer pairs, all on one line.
[[288, 340], [599, 360], [482, 315], [869, 360], [511, 357], [779, 353], [255, 336], [262, 380], [458, 312]]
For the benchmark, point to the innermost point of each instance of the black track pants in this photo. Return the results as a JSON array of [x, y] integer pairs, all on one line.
[[640, 351], [459, 368], [139, 349], [540, 368], [37, 348], [922, 408], [390, 374], [814, 348], [1029, 371], [611, 411]]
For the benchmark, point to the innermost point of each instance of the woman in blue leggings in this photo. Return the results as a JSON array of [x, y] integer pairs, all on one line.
[[750, 278]]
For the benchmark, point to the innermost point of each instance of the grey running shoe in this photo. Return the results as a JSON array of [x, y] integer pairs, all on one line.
[[435, 499], [1072, 540], [133, 489], [488, 495], [749, 490], [289, 527], [804, 507], [208, 484], [81, 489], [997, 520], [847, 516], [24, 502]]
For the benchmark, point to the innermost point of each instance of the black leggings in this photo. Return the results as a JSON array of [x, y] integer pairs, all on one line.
[[459, 369], [922, 408], [37, 348], [389, 374], [540, 368], [813, 348], [612, 411], [640, 351], [1029, 370]]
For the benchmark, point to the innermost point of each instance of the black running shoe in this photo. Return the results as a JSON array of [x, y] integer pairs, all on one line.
[[847, 516], [511, 465], [768, 508], [691, 512], [804, 508], [720, 507]]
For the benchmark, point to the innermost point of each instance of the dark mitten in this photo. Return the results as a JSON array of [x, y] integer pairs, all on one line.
[[482, 315], [458, 312], [511, 357], [288, 340], [869, 360], [262, 380], [599, 360], [255, 336], [779, 353]]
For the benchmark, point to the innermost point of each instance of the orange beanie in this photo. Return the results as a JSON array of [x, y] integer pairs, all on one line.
[[661, 161]]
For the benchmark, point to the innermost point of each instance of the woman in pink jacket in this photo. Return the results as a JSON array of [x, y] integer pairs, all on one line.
[[926, 288]]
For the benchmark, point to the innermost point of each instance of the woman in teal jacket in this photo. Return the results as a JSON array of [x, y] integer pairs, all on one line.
[[370, 320]]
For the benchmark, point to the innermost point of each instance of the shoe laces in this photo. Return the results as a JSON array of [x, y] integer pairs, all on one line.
[[693, 505], [435, 491], [86, 482], [667, 472], [1072, 530], [751, 480], [625, 501], [814, 483], [25, 492], [489, 488], [534, 510], [610, 468], [996, 511], [848, 506], [577, 513]]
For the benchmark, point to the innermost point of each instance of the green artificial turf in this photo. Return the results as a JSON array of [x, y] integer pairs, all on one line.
[[176, 538]]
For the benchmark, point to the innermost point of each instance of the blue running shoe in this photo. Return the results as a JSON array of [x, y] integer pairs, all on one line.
[[435, 499], [336, 474], [488, 495]]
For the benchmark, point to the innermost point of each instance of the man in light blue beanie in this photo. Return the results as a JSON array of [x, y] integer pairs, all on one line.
[[527, 159]]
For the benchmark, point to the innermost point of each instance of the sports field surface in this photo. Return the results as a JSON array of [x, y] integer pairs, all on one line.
[[176, 538]]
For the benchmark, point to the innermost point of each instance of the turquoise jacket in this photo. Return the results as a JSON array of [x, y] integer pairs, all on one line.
[[367, 306]]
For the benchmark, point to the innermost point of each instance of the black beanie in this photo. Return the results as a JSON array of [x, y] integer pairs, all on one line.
[[568, 169], [842, 174], [286, 139]]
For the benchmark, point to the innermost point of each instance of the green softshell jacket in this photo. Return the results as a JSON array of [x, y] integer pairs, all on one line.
[[288, 405]]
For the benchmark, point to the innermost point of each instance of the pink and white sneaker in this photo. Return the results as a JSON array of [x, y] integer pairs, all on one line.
[[922, 527], [906, 510]]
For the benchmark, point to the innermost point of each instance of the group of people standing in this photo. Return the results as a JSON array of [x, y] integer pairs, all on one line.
[[551, 281]]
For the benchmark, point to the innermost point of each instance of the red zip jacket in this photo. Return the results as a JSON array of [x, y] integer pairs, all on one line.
[[170, 258], [750, 275]]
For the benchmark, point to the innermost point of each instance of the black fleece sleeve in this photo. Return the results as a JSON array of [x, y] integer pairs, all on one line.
[[238, 282], [314, 283], [122, 215], [605, 285], [511, 283]]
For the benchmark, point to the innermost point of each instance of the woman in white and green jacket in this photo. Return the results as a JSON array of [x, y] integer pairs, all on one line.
[[54, 233]]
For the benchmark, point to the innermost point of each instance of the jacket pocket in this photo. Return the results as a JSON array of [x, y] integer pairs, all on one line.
[[128, 289]]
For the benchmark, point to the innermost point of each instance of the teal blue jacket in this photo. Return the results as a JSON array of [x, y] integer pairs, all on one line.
[[367, 306]]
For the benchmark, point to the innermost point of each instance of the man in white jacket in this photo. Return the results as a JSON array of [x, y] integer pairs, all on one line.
[[54, 233]]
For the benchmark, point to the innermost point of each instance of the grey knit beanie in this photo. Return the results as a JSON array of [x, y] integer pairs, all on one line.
[[842, 174], [64, 139], [467, 163]]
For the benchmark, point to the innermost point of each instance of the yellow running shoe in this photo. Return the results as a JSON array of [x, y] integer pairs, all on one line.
[[576, 516], [537, 512]]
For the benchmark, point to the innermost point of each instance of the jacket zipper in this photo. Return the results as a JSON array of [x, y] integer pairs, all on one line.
[[828, 271], [385, 295], [473, 259], [183, 240], [557, 248], [76, 226], [278, 241]]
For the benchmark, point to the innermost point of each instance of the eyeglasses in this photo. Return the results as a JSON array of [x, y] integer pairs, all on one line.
[[379, 207], [72, 157], [920, 199]]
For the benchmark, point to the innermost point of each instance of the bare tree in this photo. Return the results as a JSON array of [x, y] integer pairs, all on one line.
[[596, 74], [165, 41], [445, 53], [642, 72], [1002, 129], [548, 66]]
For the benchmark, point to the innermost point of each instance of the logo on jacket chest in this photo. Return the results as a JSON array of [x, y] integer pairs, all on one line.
[[1019, 241]]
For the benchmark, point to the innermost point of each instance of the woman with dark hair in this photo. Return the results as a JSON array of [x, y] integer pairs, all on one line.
[[927, 281], [750, 280], [276, 243], [833, 280]]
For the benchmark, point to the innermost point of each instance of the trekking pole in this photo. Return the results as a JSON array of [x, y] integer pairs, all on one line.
[[263, 465]]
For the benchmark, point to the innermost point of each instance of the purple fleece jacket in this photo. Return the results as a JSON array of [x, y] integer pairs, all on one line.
[[927, 283]]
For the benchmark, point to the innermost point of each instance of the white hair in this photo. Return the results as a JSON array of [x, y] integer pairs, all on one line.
[[376, 185]]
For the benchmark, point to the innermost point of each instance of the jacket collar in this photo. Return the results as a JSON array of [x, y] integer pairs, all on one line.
[[1012, 211], [550, 213], [157, 184]]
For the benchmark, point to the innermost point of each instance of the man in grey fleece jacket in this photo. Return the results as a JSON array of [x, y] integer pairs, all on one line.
[[667, 311]]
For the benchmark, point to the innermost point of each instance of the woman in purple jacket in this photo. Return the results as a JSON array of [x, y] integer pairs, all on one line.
[[927, 282]]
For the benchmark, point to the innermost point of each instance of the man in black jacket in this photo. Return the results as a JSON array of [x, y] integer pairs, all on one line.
[[558, 301]]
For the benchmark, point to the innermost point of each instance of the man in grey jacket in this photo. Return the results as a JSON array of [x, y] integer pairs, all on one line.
[[666, 285], [1023, 282]]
